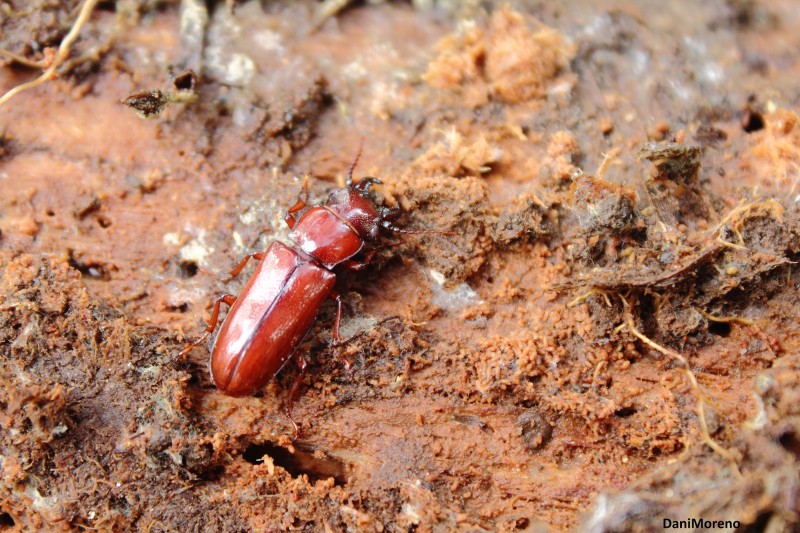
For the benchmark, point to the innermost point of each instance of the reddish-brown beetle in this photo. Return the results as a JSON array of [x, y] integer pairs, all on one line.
[[279, 304]]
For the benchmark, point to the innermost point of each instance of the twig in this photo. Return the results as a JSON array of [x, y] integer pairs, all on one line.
[[61, 54]]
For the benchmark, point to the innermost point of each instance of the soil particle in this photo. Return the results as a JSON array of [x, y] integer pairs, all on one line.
[[526, 216], [505, 60], [673, 186], [536, 431]]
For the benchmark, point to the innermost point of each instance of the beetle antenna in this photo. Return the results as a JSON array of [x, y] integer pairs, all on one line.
[[394, 229], [352, 167]]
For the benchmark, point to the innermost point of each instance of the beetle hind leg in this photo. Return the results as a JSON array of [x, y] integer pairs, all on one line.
[[337, 339], [303, 364]]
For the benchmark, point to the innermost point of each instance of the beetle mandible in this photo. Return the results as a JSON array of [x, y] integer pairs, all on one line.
[[278, 306]]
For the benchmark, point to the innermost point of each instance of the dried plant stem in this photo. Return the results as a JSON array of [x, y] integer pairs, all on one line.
[[21, 60], [589, 294], [724, 319], [701, 412], [61, 54]]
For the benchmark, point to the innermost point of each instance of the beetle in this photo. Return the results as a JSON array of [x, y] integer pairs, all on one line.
[[280, 302]]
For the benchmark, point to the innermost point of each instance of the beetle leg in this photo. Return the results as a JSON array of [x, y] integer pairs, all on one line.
[[303, 364], [353, 265], [391, 213], [227, 299], [302, 200], [337, 339], [364, 184], [258, 256], [359, 265]]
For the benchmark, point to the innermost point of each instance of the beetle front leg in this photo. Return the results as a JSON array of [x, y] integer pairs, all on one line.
[[303, 364], [364, 184], [227, 299], [302, 201]]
